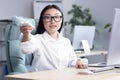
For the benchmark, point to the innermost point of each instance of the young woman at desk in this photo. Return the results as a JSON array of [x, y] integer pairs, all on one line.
[[50, 49]]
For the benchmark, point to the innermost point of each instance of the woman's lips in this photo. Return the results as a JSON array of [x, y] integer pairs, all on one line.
[[53, 26]]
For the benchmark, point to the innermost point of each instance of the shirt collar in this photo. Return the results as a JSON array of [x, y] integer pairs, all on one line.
[[47, 37]]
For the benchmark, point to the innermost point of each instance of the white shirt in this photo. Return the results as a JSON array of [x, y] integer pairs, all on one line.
[[49, 53]]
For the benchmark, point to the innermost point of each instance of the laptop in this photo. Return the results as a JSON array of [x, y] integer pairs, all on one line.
[[113, 56]]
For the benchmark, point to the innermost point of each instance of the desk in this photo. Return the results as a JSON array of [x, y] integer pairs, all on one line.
[[94, 56], [81, 53], [65, 74]]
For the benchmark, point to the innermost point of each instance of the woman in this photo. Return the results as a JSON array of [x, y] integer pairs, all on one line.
[[50, 49]]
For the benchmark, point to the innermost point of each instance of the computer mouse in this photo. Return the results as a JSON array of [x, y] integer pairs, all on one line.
[[85, 72], [27, 23]]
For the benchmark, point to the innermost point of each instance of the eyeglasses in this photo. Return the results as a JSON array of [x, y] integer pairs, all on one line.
[[55, 18]]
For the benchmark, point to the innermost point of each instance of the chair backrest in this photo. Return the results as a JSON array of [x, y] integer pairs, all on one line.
[[17, 61]]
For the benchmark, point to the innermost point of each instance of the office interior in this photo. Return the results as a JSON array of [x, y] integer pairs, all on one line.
[[102, 12]]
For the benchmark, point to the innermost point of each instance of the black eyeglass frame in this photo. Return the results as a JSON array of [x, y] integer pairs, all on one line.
[[53, 17]]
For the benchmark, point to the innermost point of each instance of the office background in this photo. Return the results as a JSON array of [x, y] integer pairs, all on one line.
[[102, 11]]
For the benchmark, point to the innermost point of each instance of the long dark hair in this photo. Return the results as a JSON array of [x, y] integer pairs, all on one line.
[[41, 28]]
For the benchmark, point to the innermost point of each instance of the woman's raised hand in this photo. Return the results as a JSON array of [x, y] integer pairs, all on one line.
[[26, 27]]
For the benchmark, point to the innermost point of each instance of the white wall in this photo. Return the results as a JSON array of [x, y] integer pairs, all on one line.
[[9, 8], [102, 10]]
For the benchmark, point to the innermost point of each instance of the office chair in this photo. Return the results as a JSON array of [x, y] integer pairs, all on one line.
[[17, 61]]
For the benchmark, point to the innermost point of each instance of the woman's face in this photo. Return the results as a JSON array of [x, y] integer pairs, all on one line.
[[52, 20]]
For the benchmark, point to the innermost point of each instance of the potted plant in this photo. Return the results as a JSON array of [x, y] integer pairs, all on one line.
[[81, 18], [108, 26]]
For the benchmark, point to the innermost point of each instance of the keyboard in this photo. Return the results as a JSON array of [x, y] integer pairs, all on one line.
[[100, 69], [100, 64]]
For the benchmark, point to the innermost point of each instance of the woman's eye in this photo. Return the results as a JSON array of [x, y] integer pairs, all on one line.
[[56, 17], [47, 17]]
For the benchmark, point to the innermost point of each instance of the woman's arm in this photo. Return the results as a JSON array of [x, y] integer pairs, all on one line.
[[74, 61], [27, 41]]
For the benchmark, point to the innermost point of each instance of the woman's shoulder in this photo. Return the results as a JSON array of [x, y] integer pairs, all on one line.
[[65, 39], [38, 36]]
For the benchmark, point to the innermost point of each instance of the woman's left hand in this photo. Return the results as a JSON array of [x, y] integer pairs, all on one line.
[[80, 64]]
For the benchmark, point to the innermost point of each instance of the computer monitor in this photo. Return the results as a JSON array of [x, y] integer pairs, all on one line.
[[113, 57], [83, 33]]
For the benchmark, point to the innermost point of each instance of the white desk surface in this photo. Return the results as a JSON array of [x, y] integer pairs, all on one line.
[[81, 53], [66, 74]]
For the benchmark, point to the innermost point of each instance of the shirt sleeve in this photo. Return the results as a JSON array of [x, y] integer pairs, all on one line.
[[30, 46], [72, 55]]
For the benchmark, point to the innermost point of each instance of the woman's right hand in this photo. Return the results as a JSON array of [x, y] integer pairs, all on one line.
[[26, 30]]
